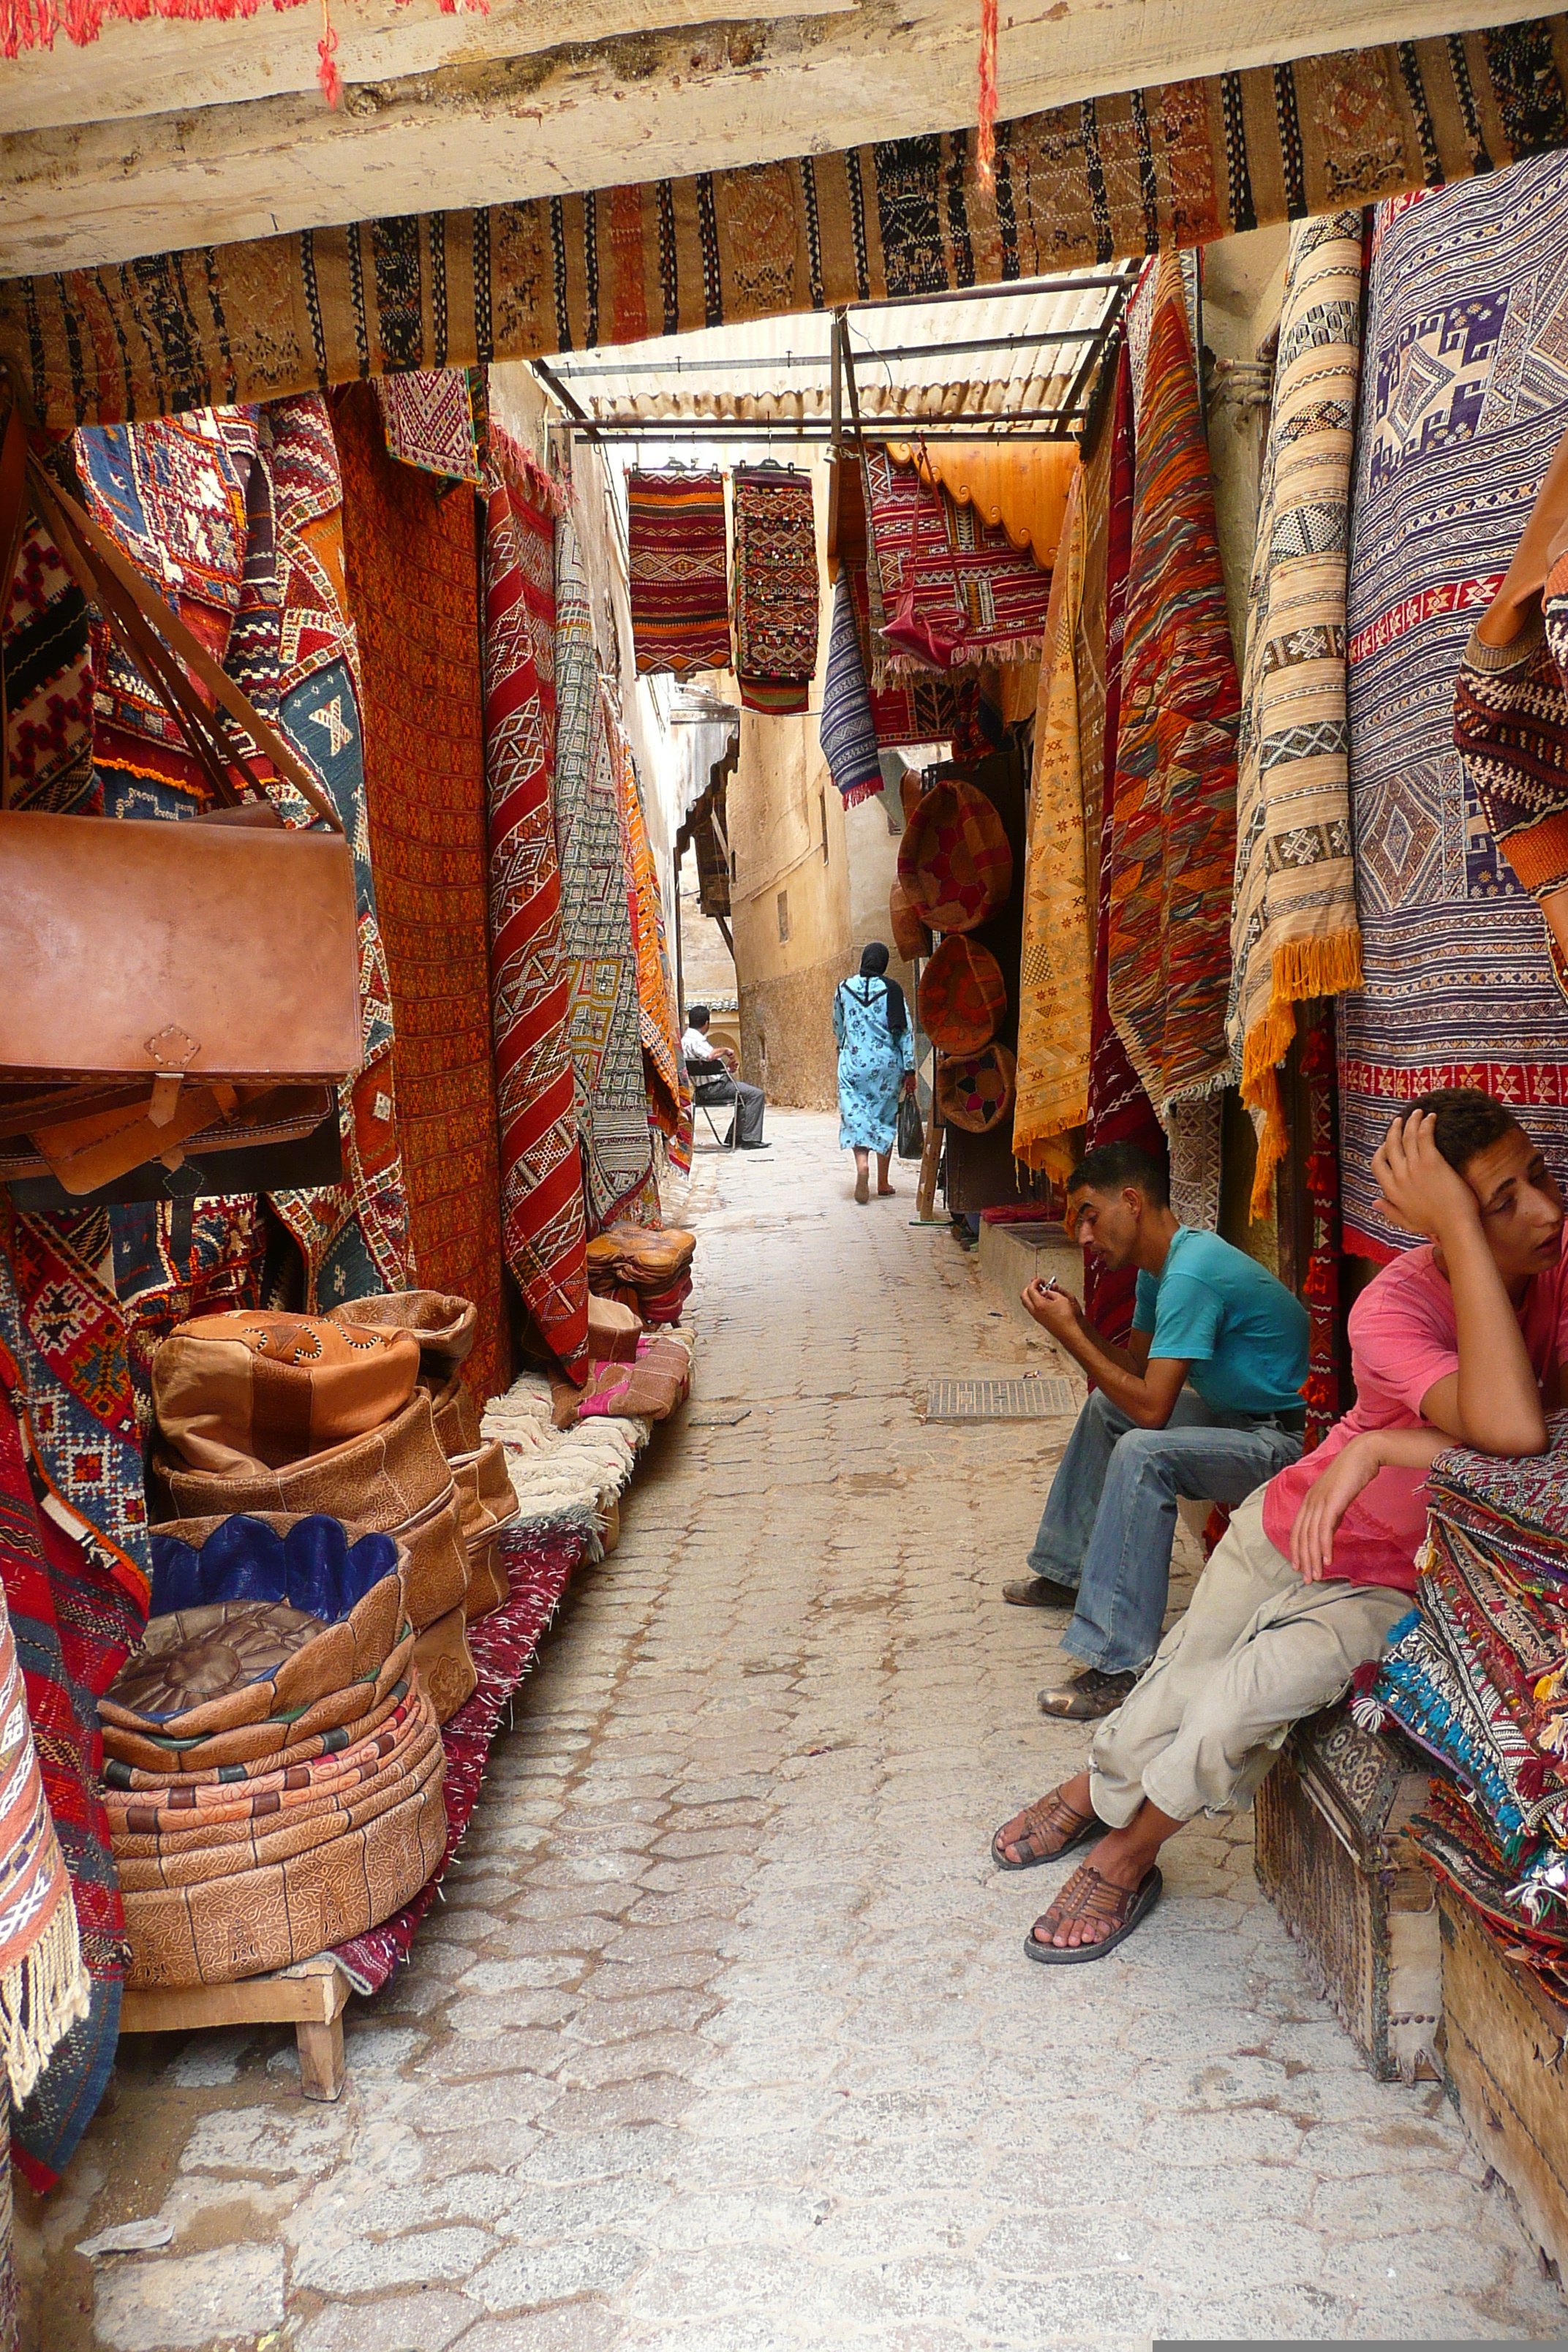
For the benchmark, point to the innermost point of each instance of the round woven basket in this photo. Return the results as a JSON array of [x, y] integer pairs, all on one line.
[[954, 861], [974, 1091], [963, 996], [910, 936]]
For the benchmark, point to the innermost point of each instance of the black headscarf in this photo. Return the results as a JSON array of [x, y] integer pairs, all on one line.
[[874, 966]]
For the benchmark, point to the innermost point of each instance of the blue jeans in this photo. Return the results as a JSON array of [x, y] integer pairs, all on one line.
[[1111, 1517]]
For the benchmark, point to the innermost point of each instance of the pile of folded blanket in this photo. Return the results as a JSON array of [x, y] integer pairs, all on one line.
[[1478, 1675]]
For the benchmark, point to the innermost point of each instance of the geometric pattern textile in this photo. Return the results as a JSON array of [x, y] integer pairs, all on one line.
[[603, 1029], [967, 577], [1102, 178], [663, 1067], [173, 494], [63, 1331], [74, 1624], [1054, 977], [1172, 869], [1018, 487], [677, 573], [428, 415], [413, 596], [1294, 933], [1464, 399], [911, 705], [43, 1982], [45, 655], [354, 1235], [542, 1232], [1119, 1110], [776, 590], [847, 736]]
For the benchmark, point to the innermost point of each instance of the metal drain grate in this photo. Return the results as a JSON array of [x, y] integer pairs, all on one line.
[[1037, 1400]]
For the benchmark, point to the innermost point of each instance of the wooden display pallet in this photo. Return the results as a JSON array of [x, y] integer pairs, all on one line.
[[311, 1997]]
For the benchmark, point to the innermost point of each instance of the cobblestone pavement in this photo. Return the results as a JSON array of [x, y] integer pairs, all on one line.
[[724, 2040]]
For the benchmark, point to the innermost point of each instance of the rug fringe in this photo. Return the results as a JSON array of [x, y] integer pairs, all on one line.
[[1300, 968], [42, 1996]]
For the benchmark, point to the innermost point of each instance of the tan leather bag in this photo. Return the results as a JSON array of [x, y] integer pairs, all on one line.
[[252, 1390], [164, 986]]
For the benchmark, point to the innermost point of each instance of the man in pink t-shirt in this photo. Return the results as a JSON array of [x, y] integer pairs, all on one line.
[[1458, 1342]]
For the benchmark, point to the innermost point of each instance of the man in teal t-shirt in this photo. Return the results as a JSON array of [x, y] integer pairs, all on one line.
[[1204, 1402]]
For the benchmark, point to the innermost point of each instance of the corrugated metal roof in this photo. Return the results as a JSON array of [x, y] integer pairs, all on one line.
[[1033, 345]]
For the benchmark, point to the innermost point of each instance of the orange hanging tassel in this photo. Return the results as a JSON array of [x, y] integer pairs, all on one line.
[[327, 73], [986, 146]]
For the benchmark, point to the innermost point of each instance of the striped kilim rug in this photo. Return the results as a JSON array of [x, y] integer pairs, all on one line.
[[679, 580], [1464, 400]]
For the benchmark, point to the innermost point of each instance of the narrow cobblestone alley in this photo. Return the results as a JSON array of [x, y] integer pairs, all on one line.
[[724, 2040]]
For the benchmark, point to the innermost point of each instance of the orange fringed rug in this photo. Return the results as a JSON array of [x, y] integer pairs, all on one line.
[[414, 592]]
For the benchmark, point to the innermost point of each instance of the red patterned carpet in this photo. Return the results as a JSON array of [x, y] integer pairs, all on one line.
[[413, 591]]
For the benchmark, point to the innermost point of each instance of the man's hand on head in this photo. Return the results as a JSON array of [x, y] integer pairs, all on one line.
[[1420, 1190]]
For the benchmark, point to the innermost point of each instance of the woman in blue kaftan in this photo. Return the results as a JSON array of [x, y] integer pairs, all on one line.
[[876, 1061]]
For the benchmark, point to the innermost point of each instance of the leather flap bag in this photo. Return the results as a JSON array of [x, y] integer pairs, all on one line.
[[165, 986]]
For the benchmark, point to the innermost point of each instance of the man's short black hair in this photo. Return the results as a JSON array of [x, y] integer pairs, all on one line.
[[1110, 1166], [698, 1017], [1468, 1122]]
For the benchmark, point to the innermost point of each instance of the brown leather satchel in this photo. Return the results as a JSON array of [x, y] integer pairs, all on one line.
[[166, 989]]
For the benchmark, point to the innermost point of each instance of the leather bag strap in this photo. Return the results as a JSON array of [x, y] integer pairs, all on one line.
[[142, 618]]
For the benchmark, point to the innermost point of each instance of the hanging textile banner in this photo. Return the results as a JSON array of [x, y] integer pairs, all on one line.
[[1119, 1110], [604, 1028], [847, 733], [678, 577], [1173, 835], [173, 494], [1177, 163], [1464, 400], [1020, 488], [1294, 929], [1054, 974], [354, 1236], [413, 594], [76, 1619], [541, 1175], [427, 415], [962, 575], [914, 706], [776, 592], [664, 1069], [46, 653]]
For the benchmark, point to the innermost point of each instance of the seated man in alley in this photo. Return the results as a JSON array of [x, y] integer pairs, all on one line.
[[1455, 1343], [1204, 1402], [714, 1081]]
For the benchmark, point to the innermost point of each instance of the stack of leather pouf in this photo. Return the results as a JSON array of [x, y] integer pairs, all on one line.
[[649, 1271], [446, 1328], [273, 1765], [297, 1414]]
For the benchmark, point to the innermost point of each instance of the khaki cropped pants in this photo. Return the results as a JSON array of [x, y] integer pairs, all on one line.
[[1256, 1650]]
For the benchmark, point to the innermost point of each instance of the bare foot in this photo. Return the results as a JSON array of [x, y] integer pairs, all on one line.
[[862, 1186], [886, 1192]]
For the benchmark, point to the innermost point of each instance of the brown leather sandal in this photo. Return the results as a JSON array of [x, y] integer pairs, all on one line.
[[1088, 1895], [1045, 1819]]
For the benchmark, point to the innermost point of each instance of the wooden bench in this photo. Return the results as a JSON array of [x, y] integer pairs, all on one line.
[[1503, 2040]]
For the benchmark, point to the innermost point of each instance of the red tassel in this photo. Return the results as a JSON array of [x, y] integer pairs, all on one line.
[[986, 146], [327, 73]]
